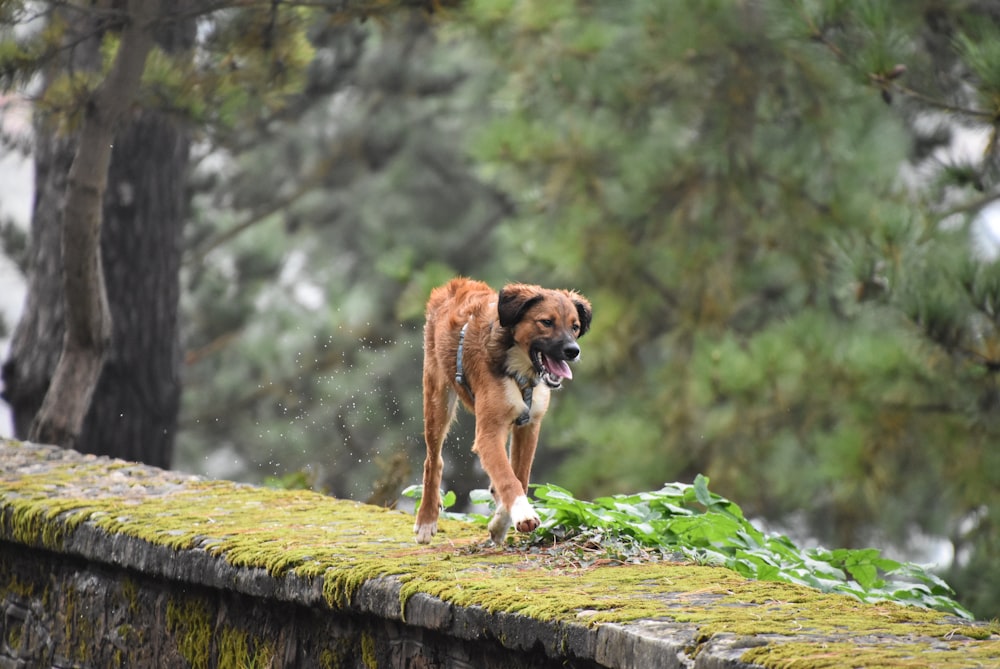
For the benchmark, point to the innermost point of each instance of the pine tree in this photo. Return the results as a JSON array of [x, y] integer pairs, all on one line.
[[774, 305]]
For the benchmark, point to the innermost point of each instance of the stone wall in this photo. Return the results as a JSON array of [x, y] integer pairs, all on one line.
[[69, 612], [105, 563]]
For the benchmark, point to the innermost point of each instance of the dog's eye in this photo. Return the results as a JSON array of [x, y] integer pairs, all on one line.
[[576, 327], [547, 322]]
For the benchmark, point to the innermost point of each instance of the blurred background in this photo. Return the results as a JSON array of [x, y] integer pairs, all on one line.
[[784, 213]]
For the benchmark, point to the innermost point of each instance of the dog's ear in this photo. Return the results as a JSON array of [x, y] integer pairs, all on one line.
[[583, 310], [514, 301]]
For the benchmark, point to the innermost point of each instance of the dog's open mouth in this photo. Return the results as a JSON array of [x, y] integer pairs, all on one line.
[[551, 370]]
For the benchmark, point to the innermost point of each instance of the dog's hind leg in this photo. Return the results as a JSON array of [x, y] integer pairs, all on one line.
[[440, 404]]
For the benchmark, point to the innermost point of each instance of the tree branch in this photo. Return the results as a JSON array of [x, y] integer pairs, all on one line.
[[888, 83], [88, 317]]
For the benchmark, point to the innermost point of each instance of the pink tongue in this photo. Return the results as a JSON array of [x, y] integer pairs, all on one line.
[[557, 368]]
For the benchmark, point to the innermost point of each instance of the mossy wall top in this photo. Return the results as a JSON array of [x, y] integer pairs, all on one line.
[[327, 553]]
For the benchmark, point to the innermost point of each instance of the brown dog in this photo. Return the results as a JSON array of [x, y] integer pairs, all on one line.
[[500, 354]]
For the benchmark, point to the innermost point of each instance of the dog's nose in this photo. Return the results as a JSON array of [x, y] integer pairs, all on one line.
[[571, 350]]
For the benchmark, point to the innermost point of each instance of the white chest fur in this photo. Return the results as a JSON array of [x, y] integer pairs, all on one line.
[[539, 399]]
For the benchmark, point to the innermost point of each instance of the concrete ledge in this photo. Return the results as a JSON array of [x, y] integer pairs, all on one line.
[[109, 563]]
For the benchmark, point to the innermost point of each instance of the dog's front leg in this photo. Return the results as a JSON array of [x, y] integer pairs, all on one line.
[[512, 503], [520, 514], [522, 451]]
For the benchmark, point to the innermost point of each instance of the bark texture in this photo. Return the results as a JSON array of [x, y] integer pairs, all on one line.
[[134, 415]]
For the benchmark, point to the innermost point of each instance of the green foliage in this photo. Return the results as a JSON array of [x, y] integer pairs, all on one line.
[[772, 306], [979, 49], [252, 61], [448, 500], [690, 522], [23, 50], [708, 528], [299, 480]]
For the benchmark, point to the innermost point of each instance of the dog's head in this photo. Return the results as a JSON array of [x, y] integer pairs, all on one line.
[[544, 326]]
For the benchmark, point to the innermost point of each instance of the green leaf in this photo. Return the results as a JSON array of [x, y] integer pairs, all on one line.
[[480, 496], [866, 575], [413, 492], [701, 490]]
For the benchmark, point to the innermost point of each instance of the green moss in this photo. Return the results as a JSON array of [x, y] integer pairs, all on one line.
[[128, 634], [339, 654], [79, 626], [32, 520], [130, 591], [346, 544], [328, 659], [129, 639], [238, 650], [234, 649], [368, 651], [12, 584], [263, 656], [873, 655], [189, 623], [14, 636]]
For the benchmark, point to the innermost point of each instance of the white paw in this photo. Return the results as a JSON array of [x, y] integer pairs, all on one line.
[[499, 524], [523, 515], [425, 532]]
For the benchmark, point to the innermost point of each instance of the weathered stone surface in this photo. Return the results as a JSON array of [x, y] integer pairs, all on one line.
[[646, 644], [69, 612], [105, 563]]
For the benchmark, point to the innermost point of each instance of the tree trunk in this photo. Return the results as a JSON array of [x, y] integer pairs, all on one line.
[[133, 412], [87, 315]]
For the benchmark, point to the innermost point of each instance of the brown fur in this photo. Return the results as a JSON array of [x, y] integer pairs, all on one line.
[[509, 335]]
